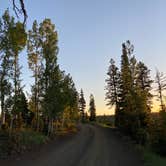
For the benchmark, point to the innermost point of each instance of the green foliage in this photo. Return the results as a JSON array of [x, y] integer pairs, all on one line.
[[129, 91], [25, 140], [53, 91], [6, 63], [112, 84], [32, 138], [152, 159], [82, 105], [13, 40], [53, 98], [18, 37], [92, 108], [34, 46], [158, 133]]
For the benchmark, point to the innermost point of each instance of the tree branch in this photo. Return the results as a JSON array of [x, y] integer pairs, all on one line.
[[21, 10]]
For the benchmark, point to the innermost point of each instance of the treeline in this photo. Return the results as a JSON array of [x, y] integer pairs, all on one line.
[[92, 108], [129, 90], [54, 101], [54, 98]]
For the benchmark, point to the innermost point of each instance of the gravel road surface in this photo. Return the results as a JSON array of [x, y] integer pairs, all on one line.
[[91, 146]]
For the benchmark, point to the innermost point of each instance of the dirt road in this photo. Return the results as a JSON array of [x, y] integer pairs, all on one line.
[[92, 146]]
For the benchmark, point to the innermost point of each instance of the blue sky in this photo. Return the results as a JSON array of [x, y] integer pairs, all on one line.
[[92, 31]]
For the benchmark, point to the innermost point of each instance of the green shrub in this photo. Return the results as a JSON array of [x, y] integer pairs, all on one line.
[[158, 134], [141, 136], [23, 140], [152, 159]]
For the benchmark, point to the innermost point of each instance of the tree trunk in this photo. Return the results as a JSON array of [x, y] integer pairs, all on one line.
[[36, 98], [49, 127], [2, 103], [11, 125]]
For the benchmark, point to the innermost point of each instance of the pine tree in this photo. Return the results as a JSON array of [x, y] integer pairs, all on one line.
[[92, 108], [126, 84], [112, 84], [82, 105], [70, 100], [133, 69], [144, 81], [26, 114], [134, 96], [70, 95], [112, 88]]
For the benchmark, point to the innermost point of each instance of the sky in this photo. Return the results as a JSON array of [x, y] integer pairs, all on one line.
[[91, 33]]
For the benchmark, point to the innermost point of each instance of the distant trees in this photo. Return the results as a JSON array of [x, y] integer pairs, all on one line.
[[161, 86], [82, 104], [158, 123], [92, 108], [129, 91]]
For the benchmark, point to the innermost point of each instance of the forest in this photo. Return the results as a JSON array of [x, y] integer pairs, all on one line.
[[54, 103], [54, 107], [130, 89]]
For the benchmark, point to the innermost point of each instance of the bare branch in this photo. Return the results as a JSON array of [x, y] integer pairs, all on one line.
[[20, 10], [23, 10]]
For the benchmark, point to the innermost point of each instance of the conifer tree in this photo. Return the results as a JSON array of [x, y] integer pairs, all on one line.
[[133, 68], [112, 84], [70, 100], [112, 88], [144, 81], [92, 108], [23, 106], [134, 93], [82, 105], [126, 84]]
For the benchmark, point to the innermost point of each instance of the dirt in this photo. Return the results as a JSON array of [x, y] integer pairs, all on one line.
[[91, 146]]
